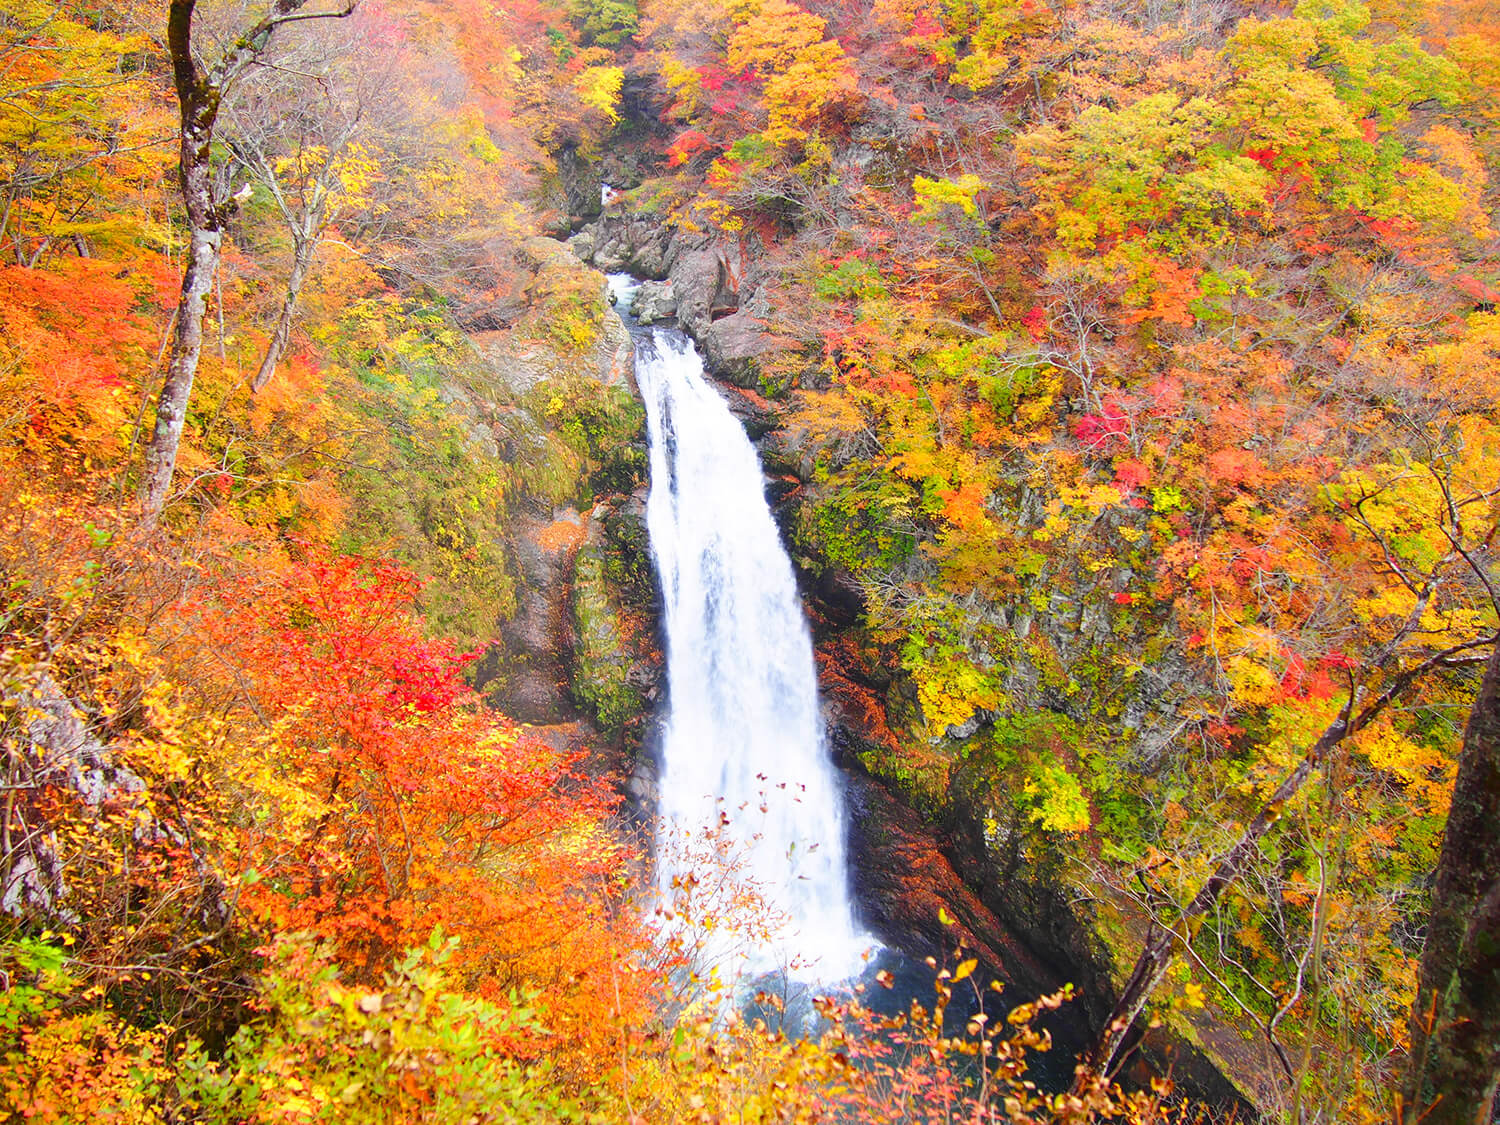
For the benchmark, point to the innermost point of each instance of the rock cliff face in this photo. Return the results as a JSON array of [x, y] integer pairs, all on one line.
[[1014, 896], [710, 286], [617, 663], [582, 643], [574, 648], [560, 288], [531, 682], [905, 885]]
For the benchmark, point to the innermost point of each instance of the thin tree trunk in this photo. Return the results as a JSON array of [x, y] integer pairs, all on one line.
[[1455, 1025], [199, 93], [1160, 948], [199, 101], [187, 345], [1161, 942], [301, 263]]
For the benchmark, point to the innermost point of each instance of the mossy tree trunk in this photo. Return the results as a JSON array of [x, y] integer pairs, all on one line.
[[200, 93], [1455, 1027]]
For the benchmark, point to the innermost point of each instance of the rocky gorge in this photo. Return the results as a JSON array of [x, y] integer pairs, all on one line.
[[588, 642]]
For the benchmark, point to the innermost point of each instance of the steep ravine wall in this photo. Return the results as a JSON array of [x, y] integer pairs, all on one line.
[[554, 401]]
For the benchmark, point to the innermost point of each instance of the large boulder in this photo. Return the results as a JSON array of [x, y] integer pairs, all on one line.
[[519, 364], [534, 351], [616, 354], [789, 449], [628, 244], [654, 301], [753, 412], [706, 288], [734, 346]]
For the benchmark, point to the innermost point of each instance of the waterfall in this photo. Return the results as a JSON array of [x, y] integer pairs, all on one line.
[[743, 754]]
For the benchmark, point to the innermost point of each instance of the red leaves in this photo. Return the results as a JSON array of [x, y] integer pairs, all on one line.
[[1130, 475], [963, 506], [687, 145], [925, 27], [1103, 431], [1268, 158], [426, 809], [714, 77], [70, 339], [1301, 682], [1394, 233], [1480, 291], [351, 642], [381, 716], [1308, 240], [1235, 466]]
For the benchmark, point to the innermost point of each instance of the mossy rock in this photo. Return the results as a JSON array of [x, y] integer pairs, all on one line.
[[602, 658]]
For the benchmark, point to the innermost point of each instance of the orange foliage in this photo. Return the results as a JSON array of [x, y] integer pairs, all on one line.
[[72, 338], [429, 810]]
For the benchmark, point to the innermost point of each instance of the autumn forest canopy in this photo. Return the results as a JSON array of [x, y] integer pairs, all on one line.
[[1127, 378]]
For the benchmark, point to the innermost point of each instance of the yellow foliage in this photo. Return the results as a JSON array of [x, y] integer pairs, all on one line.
[[88, 1067], [1251, 683], [599, 88], [1424, 770]]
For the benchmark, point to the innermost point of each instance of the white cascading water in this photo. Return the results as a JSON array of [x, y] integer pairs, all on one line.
[[743, 757]]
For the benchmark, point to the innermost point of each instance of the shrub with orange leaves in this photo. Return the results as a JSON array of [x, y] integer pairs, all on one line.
[[415, 806]]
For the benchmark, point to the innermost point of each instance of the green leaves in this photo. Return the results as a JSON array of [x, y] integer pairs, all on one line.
[[416, 1049], [36, 980], [607, 23]]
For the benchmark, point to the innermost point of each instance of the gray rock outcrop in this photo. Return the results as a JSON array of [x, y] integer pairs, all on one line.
[[713, 293], [734, 345], [706, 288], [654, 301], [519, 363], [55, 753], [616, 243], [531, 685]]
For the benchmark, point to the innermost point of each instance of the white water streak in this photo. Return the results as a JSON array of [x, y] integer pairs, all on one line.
[[744, 736]]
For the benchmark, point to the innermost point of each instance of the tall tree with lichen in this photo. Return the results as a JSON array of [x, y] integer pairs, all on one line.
[[1455, 1027], [201, 87]]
